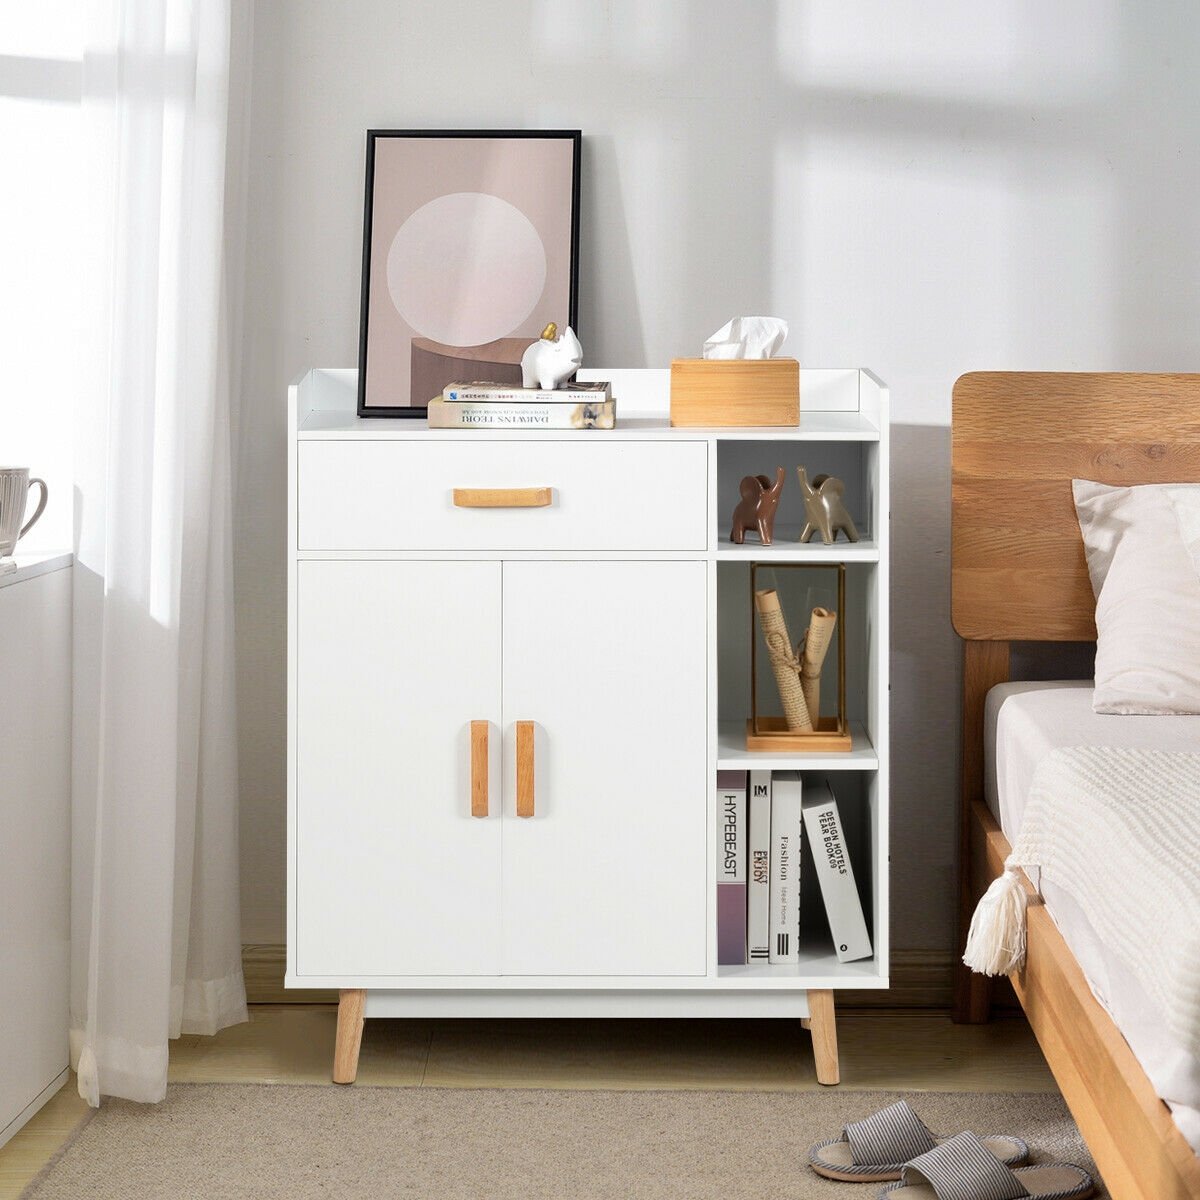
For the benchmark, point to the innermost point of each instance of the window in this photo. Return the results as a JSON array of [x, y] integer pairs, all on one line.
[[41, 250]]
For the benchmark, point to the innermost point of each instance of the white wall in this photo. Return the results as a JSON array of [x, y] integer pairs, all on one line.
[[924, 187]]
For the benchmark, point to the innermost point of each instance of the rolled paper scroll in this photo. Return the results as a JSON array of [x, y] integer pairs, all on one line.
[[812, 658], [783, 660]]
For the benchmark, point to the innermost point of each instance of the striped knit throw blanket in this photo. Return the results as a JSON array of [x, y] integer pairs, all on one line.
[[1119, 830]]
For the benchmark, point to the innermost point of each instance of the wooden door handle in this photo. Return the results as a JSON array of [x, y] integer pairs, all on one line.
[[530, 497], [479, 768], [524, 768]]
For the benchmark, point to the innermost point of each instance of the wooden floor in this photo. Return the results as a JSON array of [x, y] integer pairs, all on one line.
[[294, 1044]]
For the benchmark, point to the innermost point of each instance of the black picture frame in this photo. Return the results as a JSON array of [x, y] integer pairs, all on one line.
[[373, 137]]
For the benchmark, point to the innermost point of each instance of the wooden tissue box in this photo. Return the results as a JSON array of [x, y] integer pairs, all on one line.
[[735, 391]]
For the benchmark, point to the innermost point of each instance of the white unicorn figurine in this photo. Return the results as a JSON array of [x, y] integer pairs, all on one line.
[[550, 361]]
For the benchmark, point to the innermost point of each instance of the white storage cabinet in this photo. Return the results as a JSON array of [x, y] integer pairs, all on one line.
[[505, 722]]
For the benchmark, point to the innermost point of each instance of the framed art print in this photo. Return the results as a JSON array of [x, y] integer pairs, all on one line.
[[470, 248]]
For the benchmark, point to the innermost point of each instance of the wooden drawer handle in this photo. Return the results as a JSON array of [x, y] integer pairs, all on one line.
[[524, 768], [534, 497], [479, 768]]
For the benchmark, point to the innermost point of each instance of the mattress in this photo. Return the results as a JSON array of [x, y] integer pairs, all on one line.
[[1024, 722]]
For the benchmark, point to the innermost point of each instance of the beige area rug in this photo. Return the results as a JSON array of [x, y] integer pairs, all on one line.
[[265, 1141]]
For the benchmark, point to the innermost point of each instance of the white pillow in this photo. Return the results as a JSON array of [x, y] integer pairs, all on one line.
[[1143, 557]]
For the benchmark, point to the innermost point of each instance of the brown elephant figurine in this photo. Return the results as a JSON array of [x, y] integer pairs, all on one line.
[[824, 510], [756, 509]]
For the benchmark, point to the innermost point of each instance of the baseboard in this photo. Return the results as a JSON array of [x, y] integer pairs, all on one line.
[[920, 979], [34, 1106], [263, 967]]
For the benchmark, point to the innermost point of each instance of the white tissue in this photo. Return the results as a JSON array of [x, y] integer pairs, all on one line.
[[747, 337]]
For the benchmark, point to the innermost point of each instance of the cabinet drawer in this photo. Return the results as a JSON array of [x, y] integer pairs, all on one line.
[[376, 495]]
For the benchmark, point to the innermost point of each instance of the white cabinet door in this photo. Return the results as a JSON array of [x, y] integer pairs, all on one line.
[[394, 875], [609, 660]]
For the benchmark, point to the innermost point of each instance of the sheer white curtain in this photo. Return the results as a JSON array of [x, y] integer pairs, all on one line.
[[155, 919]]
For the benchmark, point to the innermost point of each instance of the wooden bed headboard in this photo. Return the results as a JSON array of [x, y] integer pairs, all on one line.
[[1018, 439]]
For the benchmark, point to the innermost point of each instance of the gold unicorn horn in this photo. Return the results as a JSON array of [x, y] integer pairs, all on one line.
[[550, 333]]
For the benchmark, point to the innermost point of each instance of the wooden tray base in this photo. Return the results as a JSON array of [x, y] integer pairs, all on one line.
[[773, 734]]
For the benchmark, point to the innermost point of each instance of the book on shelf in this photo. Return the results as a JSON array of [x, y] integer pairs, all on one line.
[[507, 393], [758, 875], [523, 414], [835, 873], [786, 839], [731, 868]]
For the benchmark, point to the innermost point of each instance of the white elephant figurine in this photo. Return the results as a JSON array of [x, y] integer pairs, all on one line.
[[551, 361]]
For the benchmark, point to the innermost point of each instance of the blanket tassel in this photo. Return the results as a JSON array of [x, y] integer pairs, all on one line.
[[996, 940]]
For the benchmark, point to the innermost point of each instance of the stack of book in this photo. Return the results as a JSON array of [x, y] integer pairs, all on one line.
[[503, 406], [762, 818]]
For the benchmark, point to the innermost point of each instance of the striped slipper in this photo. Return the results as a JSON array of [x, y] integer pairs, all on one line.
[[964, 1169], [876, 1149]]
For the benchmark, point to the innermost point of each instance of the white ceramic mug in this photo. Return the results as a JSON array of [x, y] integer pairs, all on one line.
[[14, 494]]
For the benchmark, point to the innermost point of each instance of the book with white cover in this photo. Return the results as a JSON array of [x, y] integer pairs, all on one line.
[[483, 414], [731, 868], [758, 884], [786, 837], [507, 393], [847, 922]]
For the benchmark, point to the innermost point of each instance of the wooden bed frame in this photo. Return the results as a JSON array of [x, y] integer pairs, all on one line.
[[1019, 574]]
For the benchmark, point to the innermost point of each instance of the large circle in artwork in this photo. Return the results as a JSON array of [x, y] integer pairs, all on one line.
[[466, 268]]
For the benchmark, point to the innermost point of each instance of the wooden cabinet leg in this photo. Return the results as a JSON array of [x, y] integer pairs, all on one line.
[[823, 1027], [351, 1004]]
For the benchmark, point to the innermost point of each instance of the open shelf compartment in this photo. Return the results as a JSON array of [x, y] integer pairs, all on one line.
[[859, 806], [853, 462], [857, 625]]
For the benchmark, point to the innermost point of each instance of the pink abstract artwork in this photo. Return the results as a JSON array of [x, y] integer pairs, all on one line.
[[470, 254]]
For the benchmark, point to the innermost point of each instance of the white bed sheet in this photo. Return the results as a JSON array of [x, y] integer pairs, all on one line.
[[1024, 722]]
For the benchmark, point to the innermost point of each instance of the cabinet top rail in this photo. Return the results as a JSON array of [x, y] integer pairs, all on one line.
[[842, 404]]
